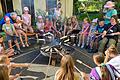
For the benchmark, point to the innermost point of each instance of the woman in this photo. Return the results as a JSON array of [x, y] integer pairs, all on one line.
[[20, 31], [66, 71], [4, 72], [110, 11], [110, 34], [26, 17]]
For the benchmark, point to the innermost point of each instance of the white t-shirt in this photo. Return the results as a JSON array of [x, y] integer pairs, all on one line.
[[116, 63]]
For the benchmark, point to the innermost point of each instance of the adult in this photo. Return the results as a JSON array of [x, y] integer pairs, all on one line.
[[12, 17], [66, 71], [110, 35], [110, 11]]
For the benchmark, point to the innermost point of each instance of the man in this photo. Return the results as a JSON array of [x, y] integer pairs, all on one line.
[[12, 17]]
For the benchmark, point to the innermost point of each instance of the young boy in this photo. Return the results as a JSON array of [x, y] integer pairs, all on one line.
[[10, 33]]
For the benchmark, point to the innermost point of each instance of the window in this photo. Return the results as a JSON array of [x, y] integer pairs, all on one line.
[[50, 4]]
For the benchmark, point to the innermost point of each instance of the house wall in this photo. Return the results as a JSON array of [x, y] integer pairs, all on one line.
[[40, 4], [67, 7], [17, 6], [1, 9]]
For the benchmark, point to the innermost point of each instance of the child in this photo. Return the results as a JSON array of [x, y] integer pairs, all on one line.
[[99, 30], [48, 25], [40, 25], [9, 52], [26, 17], [84, 33], [4, 72], [5, 60], [102, 71], [10, 33], [20, 31], [66, 71], [68, 27], [91, 36]]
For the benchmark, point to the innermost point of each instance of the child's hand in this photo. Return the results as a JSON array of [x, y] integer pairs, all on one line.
[[17, 75], [27, 65]]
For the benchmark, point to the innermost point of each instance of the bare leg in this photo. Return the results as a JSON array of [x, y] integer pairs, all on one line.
[[10, 44], [26, 39], [16, 42]]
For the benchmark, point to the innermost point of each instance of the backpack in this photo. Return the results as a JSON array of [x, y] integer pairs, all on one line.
[[96, 72]]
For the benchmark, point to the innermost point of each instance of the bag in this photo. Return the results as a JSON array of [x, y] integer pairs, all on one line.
[[95, 73]]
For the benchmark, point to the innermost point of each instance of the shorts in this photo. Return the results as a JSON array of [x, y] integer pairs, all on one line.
[[9, 38]]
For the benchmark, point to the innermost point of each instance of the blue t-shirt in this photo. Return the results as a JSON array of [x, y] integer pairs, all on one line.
[[109, 14], [2, 21], [100, 29]]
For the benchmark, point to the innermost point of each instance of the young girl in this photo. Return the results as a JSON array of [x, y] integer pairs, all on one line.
[[4, 72], [84, 33], [102, 71], [67, 27], [74, 22], [5, 60], [40, 25], [10, 33], [66, 71], [26, 17], [20, 31], [48, 25], [91, 36]]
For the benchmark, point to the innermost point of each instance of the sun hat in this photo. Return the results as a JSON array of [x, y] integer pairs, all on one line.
[[6, 18], [95, 20], [109, 4], [18, 18], [39, 17], [25, 9]]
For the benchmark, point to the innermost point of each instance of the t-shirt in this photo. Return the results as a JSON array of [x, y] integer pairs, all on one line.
[[40, 26], [9, 29], [116, 63], [100, 29], [114, 29], [109, 14]]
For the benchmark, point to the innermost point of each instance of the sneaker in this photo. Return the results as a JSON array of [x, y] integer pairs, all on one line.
[[82, 46], [27, 44], [19, 50], [23, 45], [78, 45]]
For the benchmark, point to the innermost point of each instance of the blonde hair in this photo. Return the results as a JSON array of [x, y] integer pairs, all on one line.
[[4, 72], [67, 68], [113, 50], [3, 59]]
